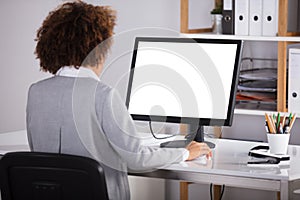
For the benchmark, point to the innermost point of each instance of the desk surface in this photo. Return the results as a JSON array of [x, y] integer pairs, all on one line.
[[229, 158]]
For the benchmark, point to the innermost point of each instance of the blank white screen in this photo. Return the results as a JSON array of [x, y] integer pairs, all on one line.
[[182, 79]]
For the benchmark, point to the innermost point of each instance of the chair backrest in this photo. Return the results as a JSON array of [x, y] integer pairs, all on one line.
[[50, 176]]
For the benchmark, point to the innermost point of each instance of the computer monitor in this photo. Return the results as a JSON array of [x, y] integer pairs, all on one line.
[[184, 80]]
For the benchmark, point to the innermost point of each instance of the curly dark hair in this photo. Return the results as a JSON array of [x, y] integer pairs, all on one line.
[[70, 36]]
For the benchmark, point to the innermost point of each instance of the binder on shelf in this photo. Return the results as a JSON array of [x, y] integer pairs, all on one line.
[[270, 18], [228, 17], [255, 18], [293, 19], [298, 17], [241, 17], [294, 81]]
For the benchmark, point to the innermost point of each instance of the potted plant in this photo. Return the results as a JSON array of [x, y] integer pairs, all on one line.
[[216, 14]]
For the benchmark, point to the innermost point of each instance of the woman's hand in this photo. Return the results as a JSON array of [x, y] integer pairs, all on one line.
[[197, 149]]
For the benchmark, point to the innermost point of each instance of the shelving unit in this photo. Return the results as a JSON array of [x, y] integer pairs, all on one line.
[[282, 54], [284, 38]]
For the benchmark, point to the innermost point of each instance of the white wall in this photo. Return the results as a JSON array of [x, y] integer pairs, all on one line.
[[19, 21]]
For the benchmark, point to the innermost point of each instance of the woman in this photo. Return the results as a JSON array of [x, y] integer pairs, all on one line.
[[74, 112]]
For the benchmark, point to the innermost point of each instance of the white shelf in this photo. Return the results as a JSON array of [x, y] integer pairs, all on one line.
[[240, 37], [251, 112]]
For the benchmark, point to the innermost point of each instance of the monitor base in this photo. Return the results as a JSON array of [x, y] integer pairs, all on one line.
[[175, 144], [210, 144], [182, 144], [197, 134]]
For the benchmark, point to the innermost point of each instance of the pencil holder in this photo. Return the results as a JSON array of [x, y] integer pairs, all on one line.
[[278, 143]]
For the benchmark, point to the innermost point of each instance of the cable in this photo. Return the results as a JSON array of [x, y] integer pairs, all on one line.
[[211, 193], [151, 130], [222, 191]]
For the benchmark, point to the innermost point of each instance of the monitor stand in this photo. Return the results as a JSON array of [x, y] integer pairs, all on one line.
[[196, 134], [199, 137]]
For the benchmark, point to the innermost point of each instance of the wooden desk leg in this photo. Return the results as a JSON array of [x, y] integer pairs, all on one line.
[[217, 191], [278, 195], [184, 190]]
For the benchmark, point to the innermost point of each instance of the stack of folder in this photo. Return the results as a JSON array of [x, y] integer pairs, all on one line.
[[257, 87], [250, 17], [293, 16]]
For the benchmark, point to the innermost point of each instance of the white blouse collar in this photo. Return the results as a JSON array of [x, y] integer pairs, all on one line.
[[82, 72]]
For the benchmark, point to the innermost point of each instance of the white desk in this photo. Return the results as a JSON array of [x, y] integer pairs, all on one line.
[[13, 141], [228, 166]]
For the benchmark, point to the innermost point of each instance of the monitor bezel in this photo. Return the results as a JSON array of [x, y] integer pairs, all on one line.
[[189, 120]]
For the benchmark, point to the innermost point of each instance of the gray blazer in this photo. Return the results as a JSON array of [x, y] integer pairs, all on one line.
[[83, 116]]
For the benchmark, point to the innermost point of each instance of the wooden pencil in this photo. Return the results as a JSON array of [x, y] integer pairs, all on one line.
[[269, 122], [292, 121]]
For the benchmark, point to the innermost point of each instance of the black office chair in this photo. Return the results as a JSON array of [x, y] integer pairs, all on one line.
[[50, 176]]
